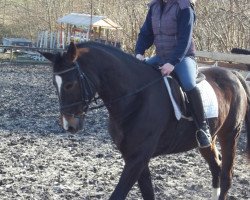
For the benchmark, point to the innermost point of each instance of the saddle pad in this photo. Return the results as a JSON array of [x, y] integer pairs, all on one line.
[[209, 99]]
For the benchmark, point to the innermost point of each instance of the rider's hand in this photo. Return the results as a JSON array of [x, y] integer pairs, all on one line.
[[140, 57], [166, 69]]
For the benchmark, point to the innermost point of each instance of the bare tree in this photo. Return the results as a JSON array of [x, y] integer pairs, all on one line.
[[220, 25]]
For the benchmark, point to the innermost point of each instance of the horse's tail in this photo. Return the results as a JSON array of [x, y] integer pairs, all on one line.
[[247, 117]]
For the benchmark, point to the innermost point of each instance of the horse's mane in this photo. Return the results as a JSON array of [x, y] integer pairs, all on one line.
[[96, 44], [112, 50], [107, 47]]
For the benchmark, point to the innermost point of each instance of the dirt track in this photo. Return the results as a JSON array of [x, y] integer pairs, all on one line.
[[38, 160]]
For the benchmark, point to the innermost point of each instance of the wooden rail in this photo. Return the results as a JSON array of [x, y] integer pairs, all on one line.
[[231, 61], [30, 51], [28, 48], [236, 58], [237, 61]]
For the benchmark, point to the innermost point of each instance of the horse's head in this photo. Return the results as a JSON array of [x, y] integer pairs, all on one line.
[[75, 90]]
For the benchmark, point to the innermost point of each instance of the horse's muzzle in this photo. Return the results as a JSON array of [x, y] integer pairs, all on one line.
[[71, 123]]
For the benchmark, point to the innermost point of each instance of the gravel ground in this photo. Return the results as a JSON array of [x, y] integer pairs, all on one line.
[[39, 161]]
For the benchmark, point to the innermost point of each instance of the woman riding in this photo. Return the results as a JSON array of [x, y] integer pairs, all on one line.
[[169, 26]]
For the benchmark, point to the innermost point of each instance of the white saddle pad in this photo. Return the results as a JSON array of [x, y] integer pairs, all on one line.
[[208, 96], [209, 99]]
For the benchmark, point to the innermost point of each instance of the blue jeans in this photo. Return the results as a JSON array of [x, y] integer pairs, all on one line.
[[186, 71]]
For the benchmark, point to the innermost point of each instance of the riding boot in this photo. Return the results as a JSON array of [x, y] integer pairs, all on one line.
[[203, 135]]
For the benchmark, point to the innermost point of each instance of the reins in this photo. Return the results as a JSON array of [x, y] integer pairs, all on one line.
[[87, 91], [130, 94], [127, 95]]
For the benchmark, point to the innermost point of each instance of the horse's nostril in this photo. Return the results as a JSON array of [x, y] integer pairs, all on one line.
[[71, 129]]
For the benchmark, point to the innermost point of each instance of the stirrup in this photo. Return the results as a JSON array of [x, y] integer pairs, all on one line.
[[204, 139]]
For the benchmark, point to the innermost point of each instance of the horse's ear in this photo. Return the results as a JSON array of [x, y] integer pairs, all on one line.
[[47, 55], [72, 52]]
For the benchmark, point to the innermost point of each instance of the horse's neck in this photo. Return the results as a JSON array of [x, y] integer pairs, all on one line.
[[118, 77], [115, 81]]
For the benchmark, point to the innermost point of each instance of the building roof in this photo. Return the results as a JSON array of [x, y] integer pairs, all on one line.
[[85, 20]]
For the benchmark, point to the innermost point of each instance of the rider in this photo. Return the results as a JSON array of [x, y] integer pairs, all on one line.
[[169, 26]]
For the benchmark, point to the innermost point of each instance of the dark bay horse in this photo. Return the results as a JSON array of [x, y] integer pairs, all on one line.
[[142, 122]]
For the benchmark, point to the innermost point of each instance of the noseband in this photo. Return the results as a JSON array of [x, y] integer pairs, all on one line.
[[86, 87]]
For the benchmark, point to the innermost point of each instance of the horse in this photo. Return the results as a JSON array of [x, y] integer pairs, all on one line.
[[141, 118], [241, 51]]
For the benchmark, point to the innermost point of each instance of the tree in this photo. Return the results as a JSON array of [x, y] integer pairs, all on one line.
[[220, 25]]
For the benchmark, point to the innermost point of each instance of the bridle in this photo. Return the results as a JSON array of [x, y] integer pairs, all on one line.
[[87, 89]]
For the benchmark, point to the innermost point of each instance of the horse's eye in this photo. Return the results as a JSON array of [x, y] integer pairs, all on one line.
[[68, 86]]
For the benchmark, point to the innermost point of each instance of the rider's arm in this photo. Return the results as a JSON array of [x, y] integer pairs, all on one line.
[[185, 25], [146, 36]]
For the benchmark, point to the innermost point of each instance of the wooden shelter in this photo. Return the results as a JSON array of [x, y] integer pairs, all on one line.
[[81, 27]]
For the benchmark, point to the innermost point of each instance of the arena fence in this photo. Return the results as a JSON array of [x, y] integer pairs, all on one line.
[[30, 55], [26, 55]]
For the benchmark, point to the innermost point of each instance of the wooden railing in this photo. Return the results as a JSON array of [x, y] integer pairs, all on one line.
[[31, 54], [236, 58], [228, 60], [238, 62]]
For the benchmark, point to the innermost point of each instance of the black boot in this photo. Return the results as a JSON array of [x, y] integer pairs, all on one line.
[[203, 135]]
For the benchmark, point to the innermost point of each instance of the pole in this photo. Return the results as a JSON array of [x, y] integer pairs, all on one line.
[[91, 19]]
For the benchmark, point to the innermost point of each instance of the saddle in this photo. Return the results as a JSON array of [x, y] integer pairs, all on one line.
[[179, 95]]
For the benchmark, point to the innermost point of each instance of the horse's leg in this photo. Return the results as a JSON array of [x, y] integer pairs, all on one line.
[[145, 184], [130, 174], [228, 149], [212, 157]]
